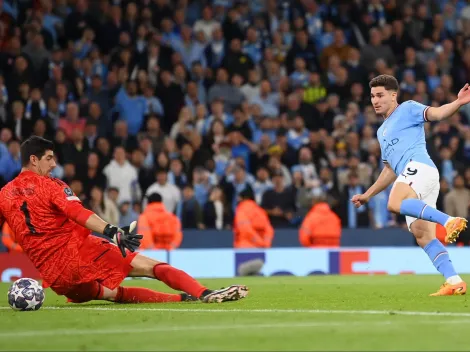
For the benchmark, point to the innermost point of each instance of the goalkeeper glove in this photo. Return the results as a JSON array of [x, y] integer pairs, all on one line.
[[124, 238]]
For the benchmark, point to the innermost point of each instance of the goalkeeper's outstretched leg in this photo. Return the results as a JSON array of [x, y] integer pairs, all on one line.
[[179, 280], [97, 270]]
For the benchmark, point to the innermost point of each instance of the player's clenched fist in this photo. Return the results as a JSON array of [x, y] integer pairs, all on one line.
[[359, 199], [124, 238]]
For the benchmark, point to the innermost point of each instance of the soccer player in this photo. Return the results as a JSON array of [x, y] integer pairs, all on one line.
[[54, 231], [414, 175]]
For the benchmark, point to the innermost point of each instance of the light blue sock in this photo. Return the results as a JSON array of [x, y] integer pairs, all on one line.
[[440, 258], [420, 210]]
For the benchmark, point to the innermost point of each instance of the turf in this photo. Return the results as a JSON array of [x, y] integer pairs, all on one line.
[[281, 313]]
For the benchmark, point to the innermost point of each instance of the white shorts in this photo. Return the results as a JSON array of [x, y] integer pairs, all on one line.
[[424, 180]]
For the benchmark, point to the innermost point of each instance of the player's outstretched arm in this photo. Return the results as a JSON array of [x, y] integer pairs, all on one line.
[[63, 198], [124, 238], [447, 110], [385, 179]]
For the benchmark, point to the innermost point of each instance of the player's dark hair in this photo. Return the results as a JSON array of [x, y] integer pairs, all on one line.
[[386, 81], [36, 146]]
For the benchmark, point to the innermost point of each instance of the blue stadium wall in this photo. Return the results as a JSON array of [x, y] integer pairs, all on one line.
[[288, 238]]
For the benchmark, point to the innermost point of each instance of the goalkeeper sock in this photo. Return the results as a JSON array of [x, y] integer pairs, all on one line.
[[144, 295], [178, 279], [420, 210], [440, 258]]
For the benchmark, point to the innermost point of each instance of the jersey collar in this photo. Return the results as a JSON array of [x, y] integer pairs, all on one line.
[[385, 118]]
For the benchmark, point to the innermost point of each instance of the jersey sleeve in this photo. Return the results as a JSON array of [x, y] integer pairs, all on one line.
[[62, 197], [417, 111]]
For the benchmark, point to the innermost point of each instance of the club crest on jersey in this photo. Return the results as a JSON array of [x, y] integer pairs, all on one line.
[[68, 192]]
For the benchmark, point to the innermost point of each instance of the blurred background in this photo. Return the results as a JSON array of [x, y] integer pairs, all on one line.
[[183, 111]]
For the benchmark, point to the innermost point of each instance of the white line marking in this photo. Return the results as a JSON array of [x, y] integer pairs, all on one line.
[[297, 311], [144, 330], [91, 331]]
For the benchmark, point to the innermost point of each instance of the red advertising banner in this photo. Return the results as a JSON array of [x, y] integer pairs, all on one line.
[[16, 265]]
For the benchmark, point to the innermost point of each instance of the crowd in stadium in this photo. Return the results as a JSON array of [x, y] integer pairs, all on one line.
[[199, 100]]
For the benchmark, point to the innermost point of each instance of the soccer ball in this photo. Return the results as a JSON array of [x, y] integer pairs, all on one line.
[[26, 294]]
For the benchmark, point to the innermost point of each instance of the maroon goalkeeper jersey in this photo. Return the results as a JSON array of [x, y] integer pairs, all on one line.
[[39, 210]]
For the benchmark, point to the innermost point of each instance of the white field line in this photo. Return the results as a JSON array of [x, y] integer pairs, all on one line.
[[112, 308], [77, 332], [91, 331]]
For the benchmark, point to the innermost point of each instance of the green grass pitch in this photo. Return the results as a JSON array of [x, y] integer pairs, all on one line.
[[374, 313]]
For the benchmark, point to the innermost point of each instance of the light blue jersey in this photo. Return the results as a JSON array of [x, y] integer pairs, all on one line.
[[402, 137]]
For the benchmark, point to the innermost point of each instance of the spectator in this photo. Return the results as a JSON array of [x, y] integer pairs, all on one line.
[[102, 206], [76, 151], [131, 107], [267, 100], [298, 134], [253, 46], [252, 228], [69, 173], [235, 180], [321, 227], [189, 210], [299, 78], [161, 229], [113, 194], [217, 112], [216, 213], [351, 216], [176, 176], [123, 176], [170, 194], [190, 50], [457, 201], [215, 52], [279, 202], [222, 89], [202, 185], [339, 47], [72, 121], [306, 167], [172, 97], [355, 166], [304, 48], [376, 50], [20, 125], [235, 61], [206, 24], [99, 95], [10, 164], [94, 175], [122, 137], [262, 183], [127, 214], [5, 137]]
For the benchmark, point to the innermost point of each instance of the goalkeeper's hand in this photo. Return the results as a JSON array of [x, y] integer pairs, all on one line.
[[124, 238]]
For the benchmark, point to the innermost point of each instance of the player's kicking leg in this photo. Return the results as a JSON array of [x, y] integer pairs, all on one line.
[[415, 197], [425, 233], [404, 200]]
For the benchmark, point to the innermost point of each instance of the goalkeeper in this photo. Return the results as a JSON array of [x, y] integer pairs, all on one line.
[[54, 231]]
